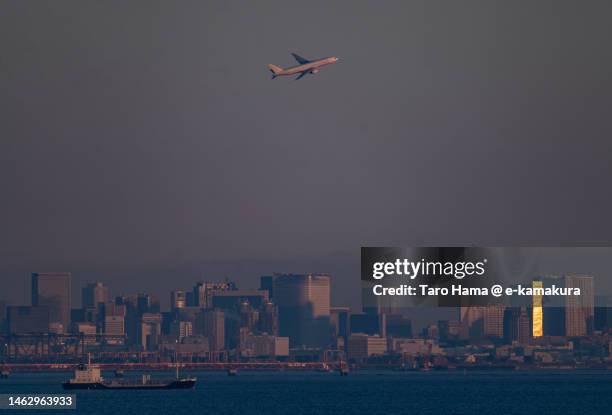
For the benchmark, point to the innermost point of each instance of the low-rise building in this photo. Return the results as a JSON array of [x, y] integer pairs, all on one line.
[[266, 345], [361, 346]]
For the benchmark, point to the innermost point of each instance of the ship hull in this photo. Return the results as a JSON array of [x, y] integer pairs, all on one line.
[[176, 384]]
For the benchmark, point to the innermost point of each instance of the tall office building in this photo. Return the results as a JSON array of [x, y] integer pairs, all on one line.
[[212, 325], [93, 294], [266, 282], [112, 309], [494, 321], [52, 289], [524, 327], [178, 299], [579, 309], [114, 325], [232, 299], [249, 316], [180, 329], [268, 319], [537, 317], [340, 320], [472, 317], [516, 325], [303, 304], [150, 330], [203, 290], [132, 317], [147, 303], [553, 307], [603, 313], [199, 295]]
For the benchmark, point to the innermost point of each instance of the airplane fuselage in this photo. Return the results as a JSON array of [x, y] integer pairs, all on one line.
[[307, 67]]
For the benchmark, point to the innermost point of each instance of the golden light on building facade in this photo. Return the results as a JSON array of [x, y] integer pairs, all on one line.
[[538, 323]]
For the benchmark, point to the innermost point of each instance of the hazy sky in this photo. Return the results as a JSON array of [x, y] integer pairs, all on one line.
[[143, 143]]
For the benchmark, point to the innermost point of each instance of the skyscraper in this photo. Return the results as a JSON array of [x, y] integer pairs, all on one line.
[[472, 317], [52, 289], [303, 304], [516, 325], [150, 330], [579, 309], [147, 303], [268, 319], [114, 325], [603, 313], [178, 299], [537, 327], [203, 291], [180, 329], [266, 282], [212, 323], [93, 294], [340, 318], [232, 299], [494, 321], [553, 307]]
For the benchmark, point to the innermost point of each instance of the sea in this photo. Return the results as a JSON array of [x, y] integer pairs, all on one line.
[[362, 392]]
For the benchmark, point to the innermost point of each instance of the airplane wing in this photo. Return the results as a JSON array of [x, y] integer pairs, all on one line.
[[300, 60], [301, 75]]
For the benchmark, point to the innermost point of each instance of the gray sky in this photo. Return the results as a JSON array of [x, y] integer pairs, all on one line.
[[144, 144]]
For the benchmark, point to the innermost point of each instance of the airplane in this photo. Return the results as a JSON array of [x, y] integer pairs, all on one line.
[[304, 68]]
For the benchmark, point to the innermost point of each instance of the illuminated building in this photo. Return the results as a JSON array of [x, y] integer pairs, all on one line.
[[537, 329]]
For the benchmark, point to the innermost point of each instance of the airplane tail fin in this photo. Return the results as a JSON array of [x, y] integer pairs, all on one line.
[[275, 70]]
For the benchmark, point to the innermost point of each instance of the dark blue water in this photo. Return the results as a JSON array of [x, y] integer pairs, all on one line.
[[364, 392]]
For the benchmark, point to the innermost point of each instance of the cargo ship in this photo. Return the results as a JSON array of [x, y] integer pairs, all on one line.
[[88, 376]]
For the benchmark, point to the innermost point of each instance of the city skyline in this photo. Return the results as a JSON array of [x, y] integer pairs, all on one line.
[[52, 291], [291, 317]]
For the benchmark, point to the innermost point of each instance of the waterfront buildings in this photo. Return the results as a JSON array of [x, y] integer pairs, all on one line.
[[266, 346], [361, 346]]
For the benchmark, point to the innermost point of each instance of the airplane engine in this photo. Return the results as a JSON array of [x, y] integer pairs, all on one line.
[[314, 71]]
